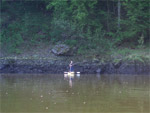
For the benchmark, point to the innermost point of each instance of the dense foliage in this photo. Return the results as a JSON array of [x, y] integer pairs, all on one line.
[[90, 25]]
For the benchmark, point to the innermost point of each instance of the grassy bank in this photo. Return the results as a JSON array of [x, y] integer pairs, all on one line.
[[43, 51]]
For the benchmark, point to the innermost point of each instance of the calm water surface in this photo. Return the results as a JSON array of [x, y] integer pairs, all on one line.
[[79, 94]]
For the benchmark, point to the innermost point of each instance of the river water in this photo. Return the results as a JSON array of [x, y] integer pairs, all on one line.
[[37, 93]]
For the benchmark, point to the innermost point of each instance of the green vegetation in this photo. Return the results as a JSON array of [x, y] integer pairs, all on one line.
[[94, 27], [131, 55]]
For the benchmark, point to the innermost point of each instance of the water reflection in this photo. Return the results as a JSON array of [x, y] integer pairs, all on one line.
[[74, 93], [70, 76], [98, 76]]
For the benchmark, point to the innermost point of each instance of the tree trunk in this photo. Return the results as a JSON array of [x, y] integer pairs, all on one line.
[[119, 9], [107, 16]]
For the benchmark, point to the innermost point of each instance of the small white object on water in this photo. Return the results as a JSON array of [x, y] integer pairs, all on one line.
[[78, 75], [78, 72], [49, 93], [41, 96], [84, 102], [46, 107], [6, 93], [65, 75]]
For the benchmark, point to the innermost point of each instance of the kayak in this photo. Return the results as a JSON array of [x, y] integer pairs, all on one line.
[[71, 74]]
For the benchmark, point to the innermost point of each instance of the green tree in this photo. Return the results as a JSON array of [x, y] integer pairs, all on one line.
[[136, 23]]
